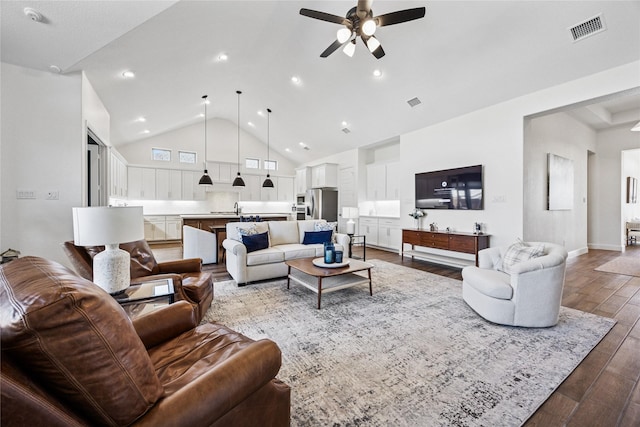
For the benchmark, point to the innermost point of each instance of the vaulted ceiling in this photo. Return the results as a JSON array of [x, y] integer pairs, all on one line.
[[462, 56]]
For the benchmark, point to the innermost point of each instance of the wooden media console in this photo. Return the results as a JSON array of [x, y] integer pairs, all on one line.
[[468, 243]]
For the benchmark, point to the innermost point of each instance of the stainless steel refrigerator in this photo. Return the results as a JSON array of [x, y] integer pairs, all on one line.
[[322, 203]]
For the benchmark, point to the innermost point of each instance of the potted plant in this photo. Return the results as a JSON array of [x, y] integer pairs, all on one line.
[[416, 214]]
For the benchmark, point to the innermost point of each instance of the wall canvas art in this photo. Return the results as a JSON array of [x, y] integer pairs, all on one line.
[[632, 190], [559, 183]]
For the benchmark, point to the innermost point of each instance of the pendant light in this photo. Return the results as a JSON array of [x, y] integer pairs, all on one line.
[[205, 179], [238, 182], [267, 182]]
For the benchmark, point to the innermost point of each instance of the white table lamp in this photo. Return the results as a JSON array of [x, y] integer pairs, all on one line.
[[350, 214], [109, 226]]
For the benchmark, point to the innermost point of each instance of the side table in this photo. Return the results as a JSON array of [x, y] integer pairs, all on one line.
[[358, 240], [142, 298]]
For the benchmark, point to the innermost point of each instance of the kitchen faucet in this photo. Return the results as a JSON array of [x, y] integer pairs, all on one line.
[[236, 209]]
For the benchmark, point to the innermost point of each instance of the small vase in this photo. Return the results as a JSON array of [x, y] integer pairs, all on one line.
[[417, 223]]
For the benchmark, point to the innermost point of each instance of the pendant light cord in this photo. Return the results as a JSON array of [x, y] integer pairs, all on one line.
[[205, 131], [238, 92]]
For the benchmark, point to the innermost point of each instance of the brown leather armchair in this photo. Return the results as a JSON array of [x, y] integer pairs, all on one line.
[[72, 357], [190, 282]]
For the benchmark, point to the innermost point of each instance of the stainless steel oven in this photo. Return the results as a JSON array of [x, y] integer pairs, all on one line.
[[301, 212]]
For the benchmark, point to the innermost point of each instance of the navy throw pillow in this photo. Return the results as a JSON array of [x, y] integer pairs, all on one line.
[[255, 242], [313, 237]]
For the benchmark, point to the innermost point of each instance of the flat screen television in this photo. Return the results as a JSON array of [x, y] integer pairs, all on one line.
[[459, 188]]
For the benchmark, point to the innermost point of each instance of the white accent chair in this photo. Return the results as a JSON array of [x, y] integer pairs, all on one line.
[[529, 296], [198, 243]]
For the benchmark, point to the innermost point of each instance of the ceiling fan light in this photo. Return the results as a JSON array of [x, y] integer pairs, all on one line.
[[349, 49], [373, 44], [343, 35], [369, 27]]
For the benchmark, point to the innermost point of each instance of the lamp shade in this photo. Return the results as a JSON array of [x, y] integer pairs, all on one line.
[[107, 225]]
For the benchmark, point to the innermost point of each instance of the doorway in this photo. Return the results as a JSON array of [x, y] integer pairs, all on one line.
[[96, 171]]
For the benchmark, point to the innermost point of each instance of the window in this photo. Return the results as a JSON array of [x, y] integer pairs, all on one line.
[[252, 163], [187, 157], [161, 154], [271, 165]]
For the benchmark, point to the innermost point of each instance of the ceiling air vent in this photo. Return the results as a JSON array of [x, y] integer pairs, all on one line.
[[346, 130], [587, 28], [414, 101]]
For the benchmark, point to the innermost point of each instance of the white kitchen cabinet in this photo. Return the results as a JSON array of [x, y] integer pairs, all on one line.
[[393, 172], [141, 183], [155, 228], [251, 190], [382, 232], [220, 172], [284, 188], [383, 181], [324, 175], [303, 180], [117, 176], [190, 188], [369, 228], [168, 184], [376, 182], [389, 233], [173, 227]]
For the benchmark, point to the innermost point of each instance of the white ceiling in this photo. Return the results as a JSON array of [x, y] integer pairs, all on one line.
[[462, 56]]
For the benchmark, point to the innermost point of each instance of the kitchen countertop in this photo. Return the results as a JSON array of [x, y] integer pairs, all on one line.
[[232, 215]]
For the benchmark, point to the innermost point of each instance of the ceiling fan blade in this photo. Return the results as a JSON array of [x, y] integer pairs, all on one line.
[[332, 48], [400, 16], [324, 16]]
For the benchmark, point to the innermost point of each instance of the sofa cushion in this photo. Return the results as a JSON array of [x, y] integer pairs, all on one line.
[[495, 284], [519, 252], [265, 256], [298, 250], [54, 321], [313, 237], [255, 242], [234, 229], [283, 232]]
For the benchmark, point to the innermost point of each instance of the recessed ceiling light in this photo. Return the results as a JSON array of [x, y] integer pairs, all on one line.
[[128, 74], [296, 80], [261, 113], [146, 131], [302, 144], [251, 124], [288, 150], [201, 115], [223, 57], [344, 123], [141, 119], [207, 101], [377, 73]]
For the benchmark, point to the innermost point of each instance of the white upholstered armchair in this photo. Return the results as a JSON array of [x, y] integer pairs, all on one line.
[[527, 294]]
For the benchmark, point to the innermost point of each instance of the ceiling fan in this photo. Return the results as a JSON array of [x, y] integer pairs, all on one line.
[[360, 22]]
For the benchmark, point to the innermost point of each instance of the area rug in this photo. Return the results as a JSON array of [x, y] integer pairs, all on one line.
[[413, 354], [625, 265]]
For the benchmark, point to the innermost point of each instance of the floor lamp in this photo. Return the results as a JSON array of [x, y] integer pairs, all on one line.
[[109, 226]]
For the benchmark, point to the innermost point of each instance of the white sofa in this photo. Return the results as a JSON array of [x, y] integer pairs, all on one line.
[[285, 243], [528, 296]]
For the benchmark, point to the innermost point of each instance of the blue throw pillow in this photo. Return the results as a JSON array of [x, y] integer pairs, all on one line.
[[255, 242], [313, 237]]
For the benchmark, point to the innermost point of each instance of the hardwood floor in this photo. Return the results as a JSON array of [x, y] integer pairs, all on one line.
[[604, 390]]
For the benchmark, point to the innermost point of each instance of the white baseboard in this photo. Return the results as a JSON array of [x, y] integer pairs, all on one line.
[[578, 252], [617, 248]]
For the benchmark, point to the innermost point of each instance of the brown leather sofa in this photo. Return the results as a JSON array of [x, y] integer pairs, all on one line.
[[190, 282], [72, 357]]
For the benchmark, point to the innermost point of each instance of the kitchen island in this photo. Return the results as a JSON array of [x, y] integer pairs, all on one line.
[[216, 223]]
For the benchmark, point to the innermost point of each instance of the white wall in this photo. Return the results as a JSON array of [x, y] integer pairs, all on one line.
[[42, 151], [494, 137], [609, 188], [562, 135], [222, 143]]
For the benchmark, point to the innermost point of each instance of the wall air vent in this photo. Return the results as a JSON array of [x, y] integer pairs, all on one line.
[[346, 130], [414, 101], [587, 28]]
